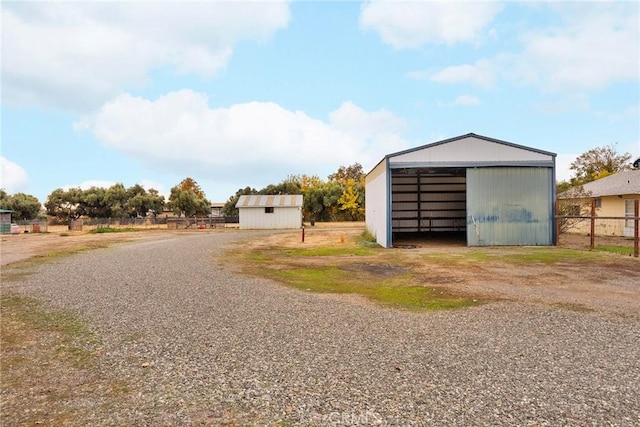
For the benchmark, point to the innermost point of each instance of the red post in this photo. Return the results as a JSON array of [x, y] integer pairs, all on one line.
[[302, 234], [593, 222], [636, 210]]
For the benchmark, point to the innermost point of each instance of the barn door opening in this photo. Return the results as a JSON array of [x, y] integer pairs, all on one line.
[[429, 205]]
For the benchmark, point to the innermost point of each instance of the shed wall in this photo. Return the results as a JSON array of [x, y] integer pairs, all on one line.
[[376, 207], [509, 206], [281, 218]]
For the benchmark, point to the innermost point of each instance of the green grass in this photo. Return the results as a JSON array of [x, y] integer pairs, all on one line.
[[326, 251], [397, 291], [101, 230], [515, 256], [622, 250]]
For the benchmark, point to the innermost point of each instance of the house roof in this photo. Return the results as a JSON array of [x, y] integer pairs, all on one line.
[[262, 201], [625, 182], [5, 211]]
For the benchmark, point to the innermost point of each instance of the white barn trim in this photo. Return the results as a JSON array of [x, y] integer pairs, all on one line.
[[270, 211]]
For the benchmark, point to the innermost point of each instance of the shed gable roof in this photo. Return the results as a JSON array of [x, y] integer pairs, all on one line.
[[468, 151], [268, 201], [625, 182]]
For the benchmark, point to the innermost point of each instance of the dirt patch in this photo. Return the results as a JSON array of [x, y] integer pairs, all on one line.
[[379, 270]]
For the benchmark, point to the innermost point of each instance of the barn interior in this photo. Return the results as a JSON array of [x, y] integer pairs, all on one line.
[[429, 206]]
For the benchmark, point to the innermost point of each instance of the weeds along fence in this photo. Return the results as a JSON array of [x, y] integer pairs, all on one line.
[[612, 232], [158, 222]]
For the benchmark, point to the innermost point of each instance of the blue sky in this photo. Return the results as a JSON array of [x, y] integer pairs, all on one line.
[[237, 94]]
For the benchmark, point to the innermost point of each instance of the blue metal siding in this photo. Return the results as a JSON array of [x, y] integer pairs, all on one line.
[[510, 206]]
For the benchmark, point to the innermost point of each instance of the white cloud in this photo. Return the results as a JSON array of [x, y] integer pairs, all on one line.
[[467, 100], [13, 178], [481, 74], [596, 46], [79, 54], [179, 133], [413, 24]]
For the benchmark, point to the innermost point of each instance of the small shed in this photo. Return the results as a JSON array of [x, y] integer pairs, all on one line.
[[270, 212], [481, 190], [5, 221]]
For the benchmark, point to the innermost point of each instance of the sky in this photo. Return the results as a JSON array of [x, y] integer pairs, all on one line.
[[237, 94]]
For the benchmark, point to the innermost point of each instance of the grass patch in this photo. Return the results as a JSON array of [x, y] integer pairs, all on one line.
[[515, 256], [326, 251], [21, 269], [49, 366], [101, 230], [75, 341], [396, 291], [621, 250]]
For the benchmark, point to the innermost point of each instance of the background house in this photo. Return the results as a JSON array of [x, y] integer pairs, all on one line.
[[270, 212], [483, 190], [614, 197]]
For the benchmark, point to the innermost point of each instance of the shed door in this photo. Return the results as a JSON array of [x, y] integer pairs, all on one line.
[[509, 206]]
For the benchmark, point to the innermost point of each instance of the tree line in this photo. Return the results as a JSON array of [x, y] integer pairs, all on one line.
[[116, 201], [341, 197]]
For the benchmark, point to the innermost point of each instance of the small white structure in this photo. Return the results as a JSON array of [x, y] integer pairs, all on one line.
[[270, 212]]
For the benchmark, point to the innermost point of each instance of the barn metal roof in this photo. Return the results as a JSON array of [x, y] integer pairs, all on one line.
[[263, 201], [625, 182]]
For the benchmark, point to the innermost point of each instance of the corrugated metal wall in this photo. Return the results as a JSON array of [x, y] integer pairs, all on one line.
[[376, 208], [509, 206], [280, 218]]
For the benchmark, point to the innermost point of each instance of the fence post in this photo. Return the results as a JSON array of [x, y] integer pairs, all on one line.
[[636, 211], [593, 222]]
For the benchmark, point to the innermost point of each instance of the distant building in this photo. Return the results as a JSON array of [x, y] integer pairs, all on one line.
[[270, 212], [216, 210], [614, 197]]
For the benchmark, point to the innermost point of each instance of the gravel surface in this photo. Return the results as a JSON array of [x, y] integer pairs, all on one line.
[[199, 344]]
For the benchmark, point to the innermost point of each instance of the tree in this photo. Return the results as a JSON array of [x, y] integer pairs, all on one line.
[[24, 206], [351, 201], [189, 184], [64, 205], [116, 198], [343, 174], [95, 202], [229, 208], [187, 198], [598, 163]]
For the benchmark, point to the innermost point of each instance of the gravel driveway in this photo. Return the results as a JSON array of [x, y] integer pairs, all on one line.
[[199, 344]]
